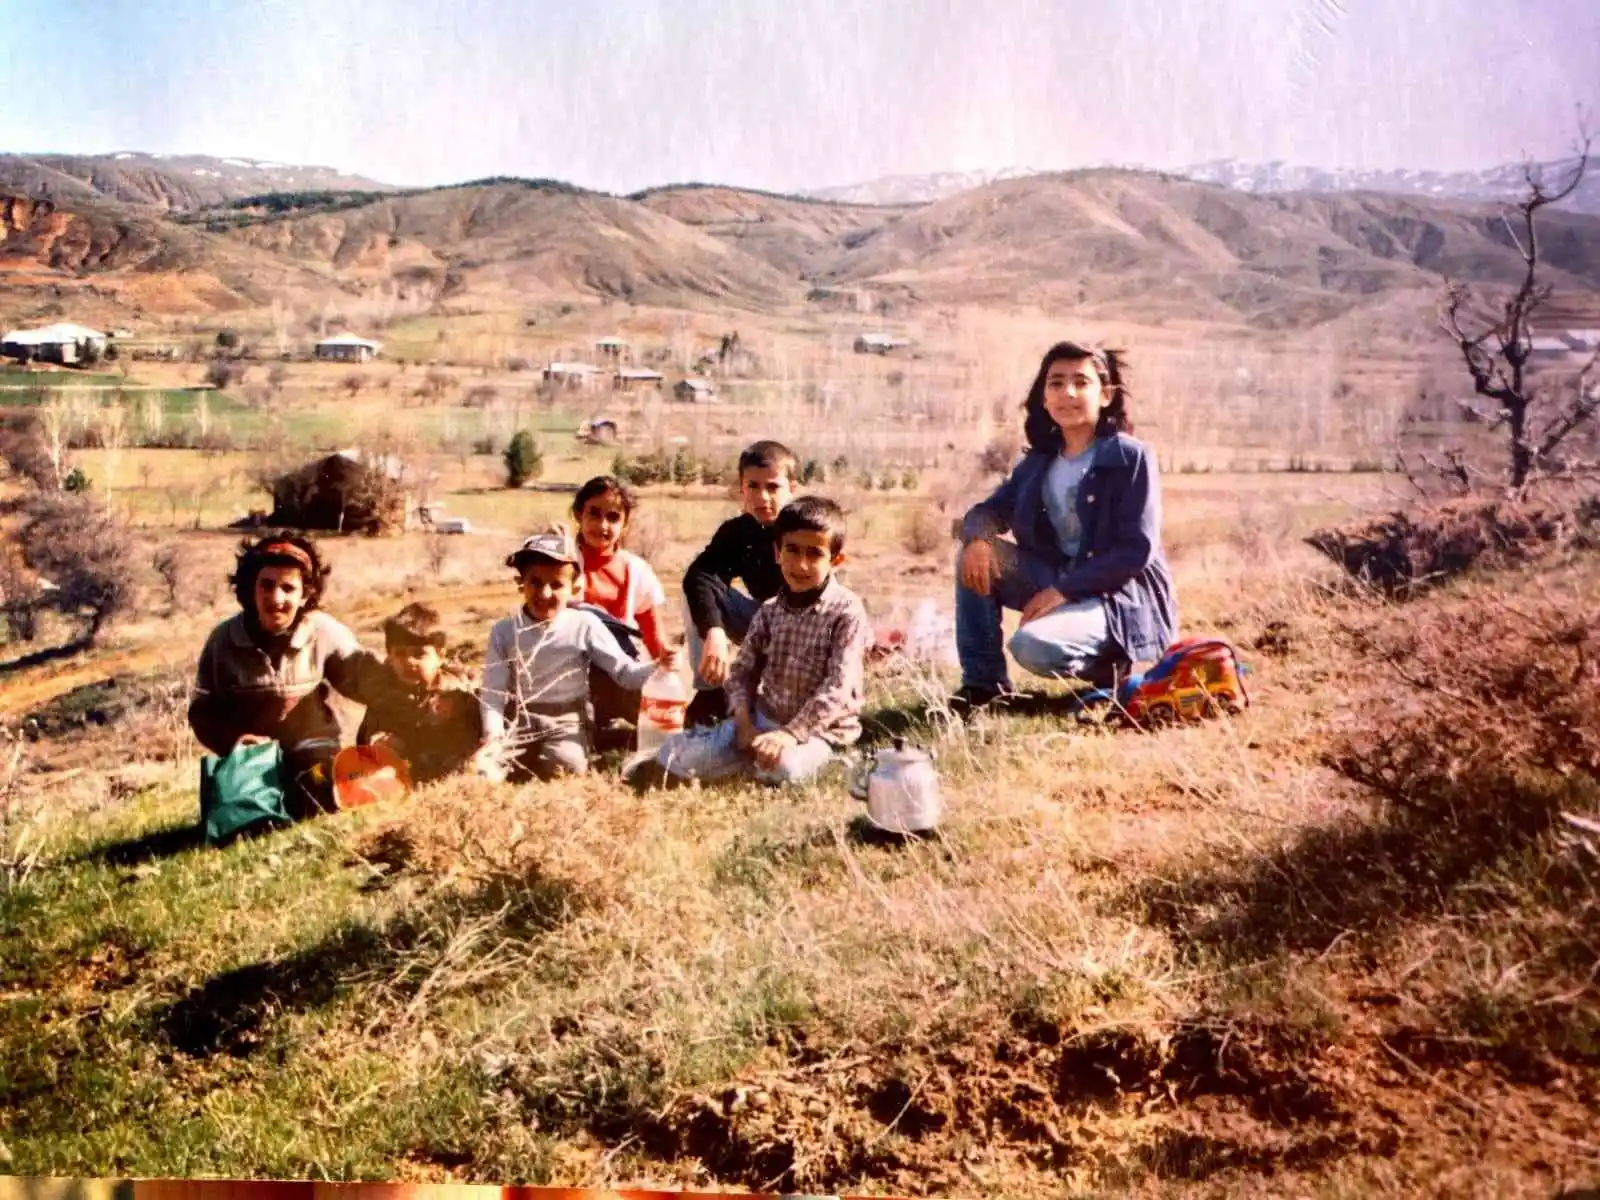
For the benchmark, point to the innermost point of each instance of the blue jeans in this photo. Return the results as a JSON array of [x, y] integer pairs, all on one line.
[[1072, 641], [738, 610], [712, 754]]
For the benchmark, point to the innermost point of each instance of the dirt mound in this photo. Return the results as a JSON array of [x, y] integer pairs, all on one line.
[[1039, 1095]]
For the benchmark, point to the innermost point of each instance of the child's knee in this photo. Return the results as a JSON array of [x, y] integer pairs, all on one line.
[[569, 758], [1034, 654], [796, 766]]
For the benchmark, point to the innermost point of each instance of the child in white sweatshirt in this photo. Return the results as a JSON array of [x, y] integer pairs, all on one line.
[[535, 691]]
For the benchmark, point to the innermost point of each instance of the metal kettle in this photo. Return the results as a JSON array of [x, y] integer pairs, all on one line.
[[900, 787]]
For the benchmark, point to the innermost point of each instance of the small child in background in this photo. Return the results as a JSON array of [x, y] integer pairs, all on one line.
[[742, 549], [536, 672], [795, 691], [425, 712], [622, 588]]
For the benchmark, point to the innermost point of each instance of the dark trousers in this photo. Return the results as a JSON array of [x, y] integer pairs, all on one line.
[[609, 700]]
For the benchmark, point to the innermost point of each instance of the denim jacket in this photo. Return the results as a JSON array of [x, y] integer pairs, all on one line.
[[1119, 558]]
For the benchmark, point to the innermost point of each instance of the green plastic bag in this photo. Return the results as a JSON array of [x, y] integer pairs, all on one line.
[[242, 790]]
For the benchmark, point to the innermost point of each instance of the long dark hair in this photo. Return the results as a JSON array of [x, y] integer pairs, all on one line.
[[1111, 365]]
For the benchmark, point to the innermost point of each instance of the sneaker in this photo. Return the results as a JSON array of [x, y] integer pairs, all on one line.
[[706, 709], [969, 699]]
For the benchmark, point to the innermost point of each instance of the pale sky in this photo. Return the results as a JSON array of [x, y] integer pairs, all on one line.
[[797, 94]]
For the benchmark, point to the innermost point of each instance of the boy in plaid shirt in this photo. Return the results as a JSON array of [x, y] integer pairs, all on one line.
[[794, 691]]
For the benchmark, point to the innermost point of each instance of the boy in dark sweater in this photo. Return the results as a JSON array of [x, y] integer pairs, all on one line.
[[424, 711], [742, 549]]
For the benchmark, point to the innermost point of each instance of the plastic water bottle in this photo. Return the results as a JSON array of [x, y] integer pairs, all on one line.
[[663, 703]]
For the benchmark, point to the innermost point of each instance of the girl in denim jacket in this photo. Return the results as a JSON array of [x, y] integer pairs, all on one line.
[[1085, 569]]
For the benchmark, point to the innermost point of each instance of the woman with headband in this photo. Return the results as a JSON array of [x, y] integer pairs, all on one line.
[[265, 672], [1086, 569]]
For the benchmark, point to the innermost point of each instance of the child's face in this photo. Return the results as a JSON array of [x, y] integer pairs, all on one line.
[[806, 559], [765, 490], [547, 588], [603, 523], [280, 595], [1074, 394], [416, 666]]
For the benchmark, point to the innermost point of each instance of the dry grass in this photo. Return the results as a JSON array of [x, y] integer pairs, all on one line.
[[1207, 956]]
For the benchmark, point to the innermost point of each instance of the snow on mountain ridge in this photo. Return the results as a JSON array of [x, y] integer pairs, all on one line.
[[1490, 184]]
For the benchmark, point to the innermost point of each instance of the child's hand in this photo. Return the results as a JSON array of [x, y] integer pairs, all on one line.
[[671, 657], [716, 658], [250, 739], [769, 747], [979, 567], [389, 740]]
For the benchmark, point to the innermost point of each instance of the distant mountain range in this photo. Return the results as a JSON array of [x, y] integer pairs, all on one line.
[[177, 182], [1486, 186], [114, 239]]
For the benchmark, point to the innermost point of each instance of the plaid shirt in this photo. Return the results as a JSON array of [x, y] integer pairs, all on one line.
[[804, 665]]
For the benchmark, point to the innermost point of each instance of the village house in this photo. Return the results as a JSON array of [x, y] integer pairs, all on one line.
[[577, 375], [1547, 349], [632, 379], [347, 347], [694, 391], [64, 343], [879, 343], [1582, 339], [611, 347]]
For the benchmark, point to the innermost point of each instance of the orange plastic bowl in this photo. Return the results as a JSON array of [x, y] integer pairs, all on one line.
[[367, 774]]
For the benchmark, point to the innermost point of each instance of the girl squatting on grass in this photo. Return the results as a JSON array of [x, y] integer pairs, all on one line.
[[265, 672], [1087, 571]]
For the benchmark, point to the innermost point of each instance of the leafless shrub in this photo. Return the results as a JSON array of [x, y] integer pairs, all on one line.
[[1405, 552], [24, 452], [175, 569], [438, 551], [1001, 453], [20, 596], [354, 382], [85, 552], [436, 383]]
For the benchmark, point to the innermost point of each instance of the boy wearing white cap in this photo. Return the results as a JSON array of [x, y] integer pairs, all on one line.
[[535, 690]]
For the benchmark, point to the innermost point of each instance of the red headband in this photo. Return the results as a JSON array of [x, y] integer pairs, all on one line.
[[292, 552]]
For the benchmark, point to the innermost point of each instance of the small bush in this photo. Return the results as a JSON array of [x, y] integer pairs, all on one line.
[[76, 481], [487, 444], [925, 531], [224, 373], [515, 364], [909, 480], [1001, 453], [524, 460], [227, 339]]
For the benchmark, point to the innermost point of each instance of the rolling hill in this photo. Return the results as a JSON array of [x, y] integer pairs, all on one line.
[[508, 240], [1110, 244]]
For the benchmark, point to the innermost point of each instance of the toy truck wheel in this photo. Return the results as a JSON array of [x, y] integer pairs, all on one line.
[[1162, 713]]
